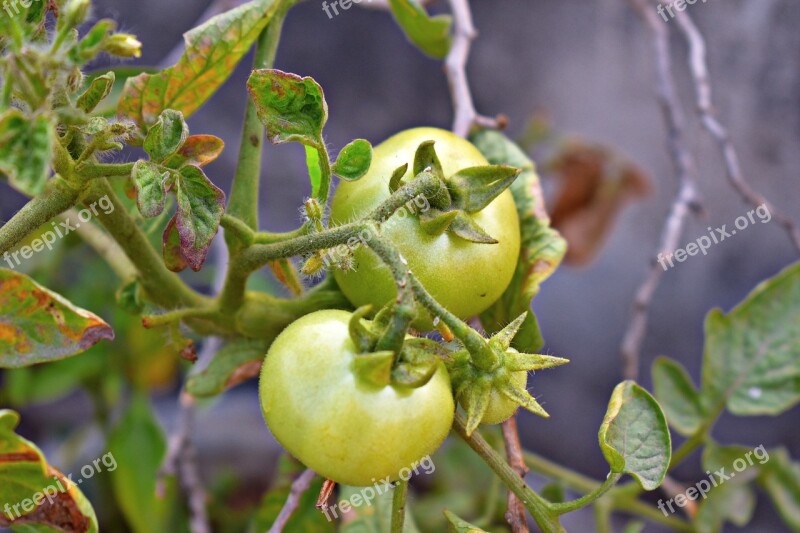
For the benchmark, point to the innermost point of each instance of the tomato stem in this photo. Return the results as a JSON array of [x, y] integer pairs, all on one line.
[[399, 506]]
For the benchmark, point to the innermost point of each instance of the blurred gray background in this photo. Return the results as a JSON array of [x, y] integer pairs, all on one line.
[[589, 65]]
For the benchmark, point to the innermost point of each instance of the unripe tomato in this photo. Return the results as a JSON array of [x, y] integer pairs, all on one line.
[[339, 424], [465, 277], [500, 407]]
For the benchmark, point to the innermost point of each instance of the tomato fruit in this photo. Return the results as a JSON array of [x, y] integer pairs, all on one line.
[[501, 408], [465, 277], [342, 426]]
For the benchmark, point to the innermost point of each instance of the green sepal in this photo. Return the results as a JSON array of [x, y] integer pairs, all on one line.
[[436, 222], [522, 397], [425, 158], [475, 400], [417, 363], [375, 367], [465, 227], [504, 337], [362, 336], [516, 361], [397, 175], [472, 189]]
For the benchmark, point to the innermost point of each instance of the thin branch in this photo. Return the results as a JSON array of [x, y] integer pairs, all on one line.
[[708, 116], [299, 487], [181, 461], [106, 247], [687, 199], [515, 515], [455, 67]]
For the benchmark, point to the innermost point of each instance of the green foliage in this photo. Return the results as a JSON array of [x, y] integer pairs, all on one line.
[[38, 325], [212, 52], [634, 436], [25, 147], [354, 160], [678, 396], [429, 34], [237, 360]]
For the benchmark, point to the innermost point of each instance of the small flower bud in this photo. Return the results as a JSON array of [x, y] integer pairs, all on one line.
[[123, 45], [76, 12]]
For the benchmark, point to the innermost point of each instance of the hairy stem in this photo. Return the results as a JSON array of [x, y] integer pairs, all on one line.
[[540, 509], [399, 506]]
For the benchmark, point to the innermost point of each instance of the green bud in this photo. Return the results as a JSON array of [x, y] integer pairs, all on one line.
[[123, 45], [76, 12]]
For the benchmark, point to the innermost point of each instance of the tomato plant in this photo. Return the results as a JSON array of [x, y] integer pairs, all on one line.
[[395, 313]]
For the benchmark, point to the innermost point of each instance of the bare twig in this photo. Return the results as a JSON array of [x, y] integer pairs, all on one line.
[[455, 67], [702, 85], [686, 200], [181, 461], [299, 487], [515, 515]]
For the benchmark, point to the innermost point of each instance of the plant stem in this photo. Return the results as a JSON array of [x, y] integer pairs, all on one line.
[[540, 509], [399, 506], [103, 170], [56, 198], [586, 499], [163, 287], [244, 197], [106, 247]]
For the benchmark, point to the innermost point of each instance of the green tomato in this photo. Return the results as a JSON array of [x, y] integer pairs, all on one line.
[[465, 277], [500, 407], [338, 424]]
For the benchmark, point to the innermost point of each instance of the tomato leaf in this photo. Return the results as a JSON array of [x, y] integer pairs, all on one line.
[[781, 479], [314, 170], [354, 160], [292, 108], [171, 249], [198, 150], [677, 395], [38, 325], [149, 181], [237, 361], [200, 208], [166, 136], [25, 477], [139, 445], [25, 150], [429, 34], [212, 52], [750, 363], [542, 247], [634, 436], [99, 88]]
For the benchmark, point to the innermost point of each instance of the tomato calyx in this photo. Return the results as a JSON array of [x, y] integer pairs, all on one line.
[[466, 192], [476, 376], [412, 364]]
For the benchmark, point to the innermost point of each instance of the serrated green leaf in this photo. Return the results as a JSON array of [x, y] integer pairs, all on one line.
[[458, 525], [234, 362], [166, 136], [212, 52], [99, 88], [200, 208], [677, 395], [25, 477], [781, 480], [429, 34], [354, 160], [634, 436], [25, 150], [542, 247], [38, 325], [750, 363], [149, 181]]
